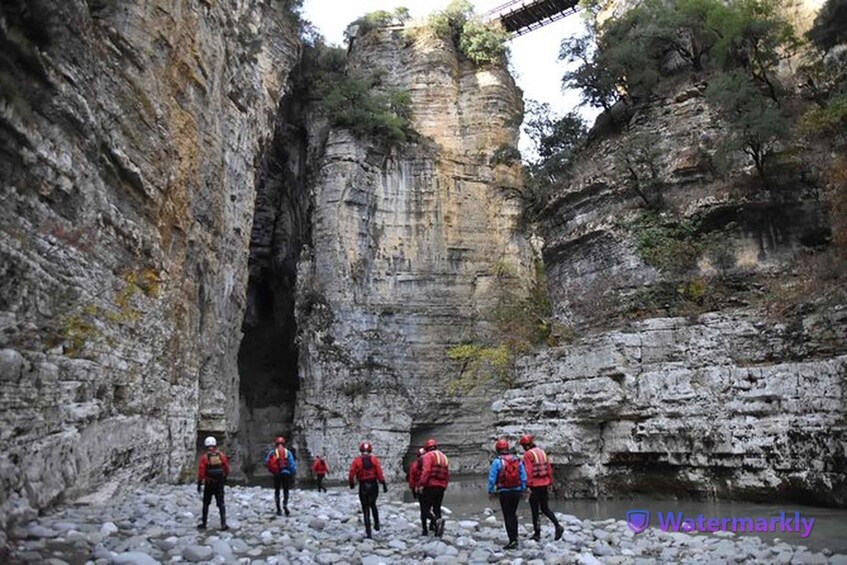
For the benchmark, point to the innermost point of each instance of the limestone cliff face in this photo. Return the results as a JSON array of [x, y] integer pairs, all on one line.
[[405, 245], [716, 379], [130, 135]]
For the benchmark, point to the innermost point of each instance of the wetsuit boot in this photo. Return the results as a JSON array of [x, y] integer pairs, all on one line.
[[223, 519]]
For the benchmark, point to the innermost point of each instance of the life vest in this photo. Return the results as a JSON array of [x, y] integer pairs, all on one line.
[[274, 463], [540, 464], [510, 473], [214, 465], [440, 469], [367, 472]]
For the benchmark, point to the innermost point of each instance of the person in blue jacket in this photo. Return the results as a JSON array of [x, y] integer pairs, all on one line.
[[283, 465], [507, 479]]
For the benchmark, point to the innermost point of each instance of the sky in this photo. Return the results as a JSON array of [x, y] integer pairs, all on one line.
[[534, 56]]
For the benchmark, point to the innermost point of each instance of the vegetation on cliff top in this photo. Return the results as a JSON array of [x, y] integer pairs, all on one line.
[[483, 43]]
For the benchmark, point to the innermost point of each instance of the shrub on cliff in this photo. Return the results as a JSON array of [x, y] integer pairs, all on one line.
[[484, 43], [519, 321], [376, 20], [354, 104]]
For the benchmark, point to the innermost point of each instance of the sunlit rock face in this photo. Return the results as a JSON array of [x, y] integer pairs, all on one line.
[[406, 242], [131, 133]]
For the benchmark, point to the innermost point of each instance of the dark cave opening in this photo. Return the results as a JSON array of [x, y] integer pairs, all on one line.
[[268, 357]]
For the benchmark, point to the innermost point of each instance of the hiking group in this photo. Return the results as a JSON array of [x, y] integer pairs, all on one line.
[[509, 477]]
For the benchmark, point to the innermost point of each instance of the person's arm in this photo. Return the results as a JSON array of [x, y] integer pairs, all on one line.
[[493, 471], [353, 471], [527, 463], [292, 463], [523, 477], [426, 468], [201, 472]]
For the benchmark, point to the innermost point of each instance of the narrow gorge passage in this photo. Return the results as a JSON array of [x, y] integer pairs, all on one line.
[[268, 356]]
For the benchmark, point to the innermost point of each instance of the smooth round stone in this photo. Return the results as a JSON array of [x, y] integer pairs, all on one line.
[[197, 553], [328, 558], [133, 558], [38, 531]]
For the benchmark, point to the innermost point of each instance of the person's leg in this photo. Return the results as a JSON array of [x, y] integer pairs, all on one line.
[[534, 502], [438, 498], [426, 509], [286, 486], [372, 500], [207, 500], [219, 499], [277, 485], [545, 509], [320, 480], [363, 500], [509, 504]]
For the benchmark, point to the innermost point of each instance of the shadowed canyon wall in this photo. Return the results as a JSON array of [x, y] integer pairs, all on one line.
[[130, 137]]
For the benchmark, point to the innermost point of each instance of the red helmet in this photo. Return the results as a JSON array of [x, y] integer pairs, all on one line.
[[421, 451], [430, 444], [528, 439], [501, 445], [365, 446], [280, 441]]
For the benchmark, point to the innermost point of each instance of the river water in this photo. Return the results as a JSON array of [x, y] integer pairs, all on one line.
[[469, 497]]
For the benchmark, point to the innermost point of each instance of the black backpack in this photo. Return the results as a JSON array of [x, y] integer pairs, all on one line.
[[214, 465]]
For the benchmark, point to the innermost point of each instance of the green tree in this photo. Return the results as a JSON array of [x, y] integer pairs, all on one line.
[[449, 22], [830, 27], [756, 123], [592, 77], [484, 43], [754, 37]]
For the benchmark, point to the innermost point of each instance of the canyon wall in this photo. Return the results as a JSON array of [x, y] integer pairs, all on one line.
[[131, 133], [406, 243], [707, 314]]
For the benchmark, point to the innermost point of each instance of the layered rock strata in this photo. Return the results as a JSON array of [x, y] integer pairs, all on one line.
[[405, 248], [710, 328], [130, 135]]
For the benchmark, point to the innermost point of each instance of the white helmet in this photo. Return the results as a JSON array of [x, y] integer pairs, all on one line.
[[211, 442]]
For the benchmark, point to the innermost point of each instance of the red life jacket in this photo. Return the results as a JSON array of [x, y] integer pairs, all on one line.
[[276, 462], [367, 471], [541, 472], [510, 473], [439, 470]]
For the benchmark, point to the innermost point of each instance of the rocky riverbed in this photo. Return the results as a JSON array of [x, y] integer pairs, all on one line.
[[158, 525]]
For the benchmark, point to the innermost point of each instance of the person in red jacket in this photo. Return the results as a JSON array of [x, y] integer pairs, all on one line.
[[367, 470], [320, 469], [211, 477], [539, 474], [435, 475], [415, 472]]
